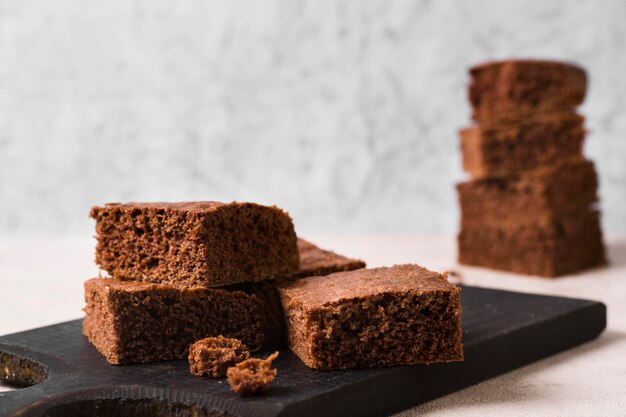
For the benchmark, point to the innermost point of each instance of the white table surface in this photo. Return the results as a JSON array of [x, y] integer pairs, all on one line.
[[41, 284]]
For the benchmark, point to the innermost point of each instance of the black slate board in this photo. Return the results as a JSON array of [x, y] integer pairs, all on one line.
[[501, 331]]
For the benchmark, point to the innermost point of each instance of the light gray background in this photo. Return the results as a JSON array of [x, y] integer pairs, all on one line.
[[343, 112]]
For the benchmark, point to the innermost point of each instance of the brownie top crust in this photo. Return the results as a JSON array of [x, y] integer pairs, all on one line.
[[111, 285], [188, 206], [317, 261], [319, 291], [527, 63], [198, 207]]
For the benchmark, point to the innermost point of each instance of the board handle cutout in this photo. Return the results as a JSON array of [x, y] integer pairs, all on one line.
[[21, 372]]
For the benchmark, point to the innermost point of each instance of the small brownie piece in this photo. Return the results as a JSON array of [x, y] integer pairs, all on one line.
[[565, 245], [373, 317], [137, 322], [203, 244], [508, 91], [510, 149], [252, 376], [214, 355], [532, 197], [317, 261]]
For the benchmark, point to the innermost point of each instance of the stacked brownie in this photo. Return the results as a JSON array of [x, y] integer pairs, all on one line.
[[531, 204], [168, 262], [181, 272]]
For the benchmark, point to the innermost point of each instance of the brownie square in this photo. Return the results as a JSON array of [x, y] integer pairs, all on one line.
[[560, 246], [531, 197], [373, 317], [513, 148], [137, 322], [514, 90], [204, 244]]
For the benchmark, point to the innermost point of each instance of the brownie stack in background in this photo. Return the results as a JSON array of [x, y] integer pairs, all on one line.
[[531, 205]]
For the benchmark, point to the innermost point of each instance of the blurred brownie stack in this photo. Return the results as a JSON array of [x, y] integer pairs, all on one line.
[[531, 204], [181, 272]]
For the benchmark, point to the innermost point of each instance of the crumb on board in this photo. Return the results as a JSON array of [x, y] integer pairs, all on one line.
[[213, 356], [252, 376]]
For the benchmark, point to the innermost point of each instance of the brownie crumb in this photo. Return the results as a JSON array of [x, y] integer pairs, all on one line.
[[212, 356], [252, 376]]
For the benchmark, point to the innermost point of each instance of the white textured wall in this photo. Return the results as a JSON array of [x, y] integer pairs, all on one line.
[[343, 112]]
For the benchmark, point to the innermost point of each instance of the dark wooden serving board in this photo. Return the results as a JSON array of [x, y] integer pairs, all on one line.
[[501, 331]]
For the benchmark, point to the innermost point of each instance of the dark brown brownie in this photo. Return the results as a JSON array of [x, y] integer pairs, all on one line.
[[510, 149], [212, 356], [252, 376], [514, 90], [373, 317], [204, 244], [136, 322], [565, 245], [536, 196]]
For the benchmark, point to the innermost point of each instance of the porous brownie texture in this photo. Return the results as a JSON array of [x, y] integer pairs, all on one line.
[[313, 261], [204, 244], [514, 90], [565, 245], [377, 317], [514, 148], [534, 197], [252, 376], [213, 356], [137, 322]]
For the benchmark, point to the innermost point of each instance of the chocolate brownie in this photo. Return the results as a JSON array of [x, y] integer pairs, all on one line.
[[252, 376], [204, 244], [316, 261], [373, 317], [514, 90], [313, 261], [565, 245], [510, 149], [136, 322], [212, 356], [535, 196]]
